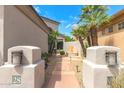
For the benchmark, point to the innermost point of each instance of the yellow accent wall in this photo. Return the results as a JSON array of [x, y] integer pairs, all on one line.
[[114, 39]]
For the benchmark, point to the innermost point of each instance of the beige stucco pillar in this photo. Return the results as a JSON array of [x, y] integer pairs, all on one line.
[[29, 73], [99, 67]]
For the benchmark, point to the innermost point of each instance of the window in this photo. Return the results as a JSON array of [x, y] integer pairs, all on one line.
[[121, 26], [110, 29], [111, 58]]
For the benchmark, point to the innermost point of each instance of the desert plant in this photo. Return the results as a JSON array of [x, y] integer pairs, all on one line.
[[62, 52], [118, 81]]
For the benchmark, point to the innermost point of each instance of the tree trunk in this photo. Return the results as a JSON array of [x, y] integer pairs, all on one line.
[[53, 46], [89, 41], [82, 45], [94, 36]]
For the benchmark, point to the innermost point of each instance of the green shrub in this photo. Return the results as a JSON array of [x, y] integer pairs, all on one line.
[[86, 45], [62, 52], [45, 56]]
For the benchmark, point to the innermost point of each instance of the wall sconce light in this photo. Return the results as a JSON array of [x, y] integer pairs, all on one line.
[[111, 58], [17, 57]]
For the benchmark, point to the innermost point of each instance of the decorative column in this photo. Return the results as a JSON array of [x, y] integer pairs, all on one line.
[[101, 65]]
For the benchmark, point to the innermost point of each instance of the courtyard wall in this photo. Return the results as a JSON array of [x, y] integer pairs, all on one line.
[[20, 30]]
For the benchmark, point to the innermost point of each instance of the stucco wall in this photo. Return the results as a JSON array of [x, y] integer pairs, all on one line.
[[114, 39], [76, 47], [1, 33], [20, 30]]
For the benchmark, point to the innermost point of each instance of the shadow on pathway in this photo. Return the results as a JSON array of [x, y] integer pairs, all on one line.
[[62, 76]]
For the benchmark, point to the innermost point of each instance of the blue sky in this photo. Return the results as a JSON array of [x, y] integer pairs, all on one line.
[[67, 15]]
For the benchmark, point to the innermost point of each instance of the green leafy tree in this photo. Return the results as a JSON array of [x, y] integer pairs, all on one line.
[[94, 16], [52, 38], [81, 34]]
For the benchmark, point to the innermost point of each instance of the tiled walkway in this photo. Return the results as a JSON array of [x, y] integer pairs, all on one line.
[[63, 76]]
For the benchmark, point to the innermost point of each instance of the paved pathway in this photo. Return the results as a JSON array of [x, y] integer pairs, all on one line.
[[63, 76]]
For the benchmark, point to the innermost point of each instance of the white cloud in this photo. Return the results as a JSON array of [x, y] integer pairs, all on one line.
[[62, 21], [67, 26], [37, 9], [70, 16], [74, 18], [45, 13]]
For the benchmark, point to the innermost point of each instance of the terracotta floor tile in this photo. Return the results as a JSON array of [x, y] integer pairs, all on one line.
[[63, 76]]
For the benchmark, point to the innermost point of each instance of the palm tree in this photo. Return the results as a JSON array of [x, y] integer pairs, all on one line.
[[81, 34], [68, 39], [94, 16]]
